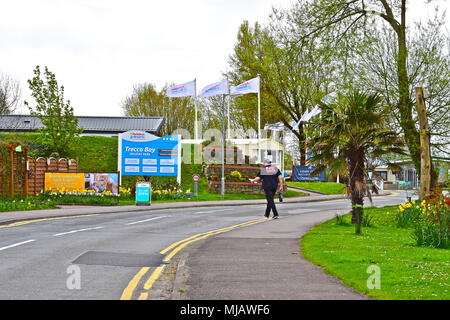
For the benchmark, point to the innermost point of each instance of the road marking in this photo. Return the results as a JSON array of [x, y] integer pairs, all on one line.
[[146, 220], [75, 231], [212, 211], [173, 245], [155, 275], [128, 292], [17, 244], [21, 223], [177, 246]]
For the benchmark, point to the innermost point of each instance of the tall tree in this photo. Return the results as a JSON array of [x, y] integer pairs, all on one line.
[[59, 125], [353, 17], [292, 77], [145, 100], [353, 130], [9, 94]]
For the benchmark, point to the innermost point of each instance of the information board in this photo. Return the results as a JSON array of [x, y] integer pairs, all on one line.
[[99, 182], [143, 154], [303, 173]]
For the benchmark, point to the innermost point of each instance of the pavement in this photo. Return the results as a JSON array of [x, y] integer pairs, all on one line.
[[261, 261], [258, 262]]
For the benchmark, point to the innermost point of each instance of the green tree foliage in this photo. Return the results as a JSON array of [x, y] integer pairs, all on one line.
[[9, 94], [293, 77], [353, 130], [405, 60], [59, 125], [145, 100]]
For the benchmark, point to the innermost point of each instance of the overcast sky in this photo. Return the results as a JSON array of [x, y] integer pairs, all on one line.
[[99, 49]]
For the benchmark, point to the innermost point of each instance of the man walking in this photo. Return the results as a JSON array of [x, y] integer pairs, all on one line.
[[271, 177]]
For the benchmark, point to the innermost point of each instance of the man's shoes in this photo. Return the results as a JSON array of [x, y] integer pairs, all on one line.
[[266, 217], [275, 217]]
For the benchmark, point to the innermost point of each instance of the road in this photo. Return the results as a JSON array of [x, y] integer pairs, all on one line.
[[97, 256]]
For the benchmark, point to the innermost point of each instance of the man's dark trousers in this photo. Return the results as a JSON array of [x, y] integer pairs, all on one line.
[[270, 193]]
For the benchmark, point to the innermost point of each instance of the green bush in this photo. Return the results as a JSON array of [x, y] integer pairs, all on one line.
[[408, 214], [433, 230]]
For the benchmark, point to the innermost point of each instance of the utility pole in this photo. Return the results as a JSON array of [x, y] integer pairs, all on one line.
[[425, 158]]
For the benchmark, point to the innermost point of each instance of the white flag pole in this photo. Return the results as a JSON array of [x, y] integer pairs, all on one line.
[[259, 120], [228, 116], [196, 107]]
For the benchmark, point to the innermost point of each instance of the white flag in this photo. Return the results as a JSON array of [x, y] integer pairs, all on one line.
[[304, 116], [214, 89], [183, 90], [313, 113], [250, 86]]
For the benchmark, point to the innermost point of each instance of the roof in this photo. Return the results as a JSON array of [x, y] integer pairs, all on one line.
[[90, 124]]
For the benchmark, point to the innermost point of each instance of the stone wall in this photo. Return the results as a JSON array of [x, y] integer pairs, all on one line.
[[250, 171]]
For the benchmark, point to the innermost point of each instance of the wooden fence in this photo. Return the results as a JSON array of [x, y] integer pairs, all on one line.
[[29, 176], [38, 167]]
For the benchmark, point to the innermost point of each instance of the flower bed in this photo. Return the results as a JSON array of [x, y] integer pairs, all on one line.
[[430, 220]]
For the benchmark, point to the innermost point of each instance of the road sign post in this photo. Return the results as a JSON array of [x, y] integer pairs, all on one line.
[[195, 178]]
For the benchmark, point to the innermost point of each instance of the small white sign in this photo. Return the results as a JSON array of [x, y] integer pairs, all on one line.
[[149, 169], [166, 169], [149, 162], [131, 161], [166, 162]]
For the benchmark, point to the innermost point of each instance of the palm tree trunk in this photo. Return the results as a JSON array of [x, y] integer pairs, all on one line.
[[355, 166]]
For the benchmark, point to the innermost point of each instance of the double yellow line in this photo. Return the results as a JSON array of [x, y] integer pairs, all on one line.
[[170, 252]]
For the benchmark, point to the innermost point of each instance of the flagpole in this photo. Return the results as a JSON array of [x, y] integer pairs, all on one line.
[[259, 120], [222, 189], [195, 104], [228, 116]]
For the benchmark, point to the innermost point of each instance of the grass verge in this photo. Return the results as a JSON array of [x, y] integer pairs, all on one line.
[[407, 272], [324, 187]]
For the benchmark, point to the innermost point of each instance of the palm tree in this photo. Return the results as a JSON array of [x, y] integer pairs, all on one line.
[[353, 131]]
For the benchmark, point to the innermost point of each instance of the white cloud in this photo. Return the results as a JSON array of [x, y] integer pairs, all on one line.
[[98, 49]]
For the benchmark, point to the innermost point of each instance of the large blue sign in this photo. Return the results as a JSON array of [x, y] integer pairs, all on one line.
[[303, 173], [143, 154]]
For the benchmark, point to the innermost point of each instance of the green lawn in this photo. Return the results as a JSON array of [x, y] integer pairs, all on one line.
[[407, 272], [324, 187]]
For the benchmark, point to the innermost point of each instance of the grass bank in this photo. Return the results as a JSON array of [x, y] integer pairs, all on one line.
[[407, 272], [324, 187]]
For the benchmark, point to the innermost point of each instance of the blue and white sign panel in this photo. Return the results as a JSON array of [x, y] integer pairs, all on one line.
[[303, 173], [143, 154]]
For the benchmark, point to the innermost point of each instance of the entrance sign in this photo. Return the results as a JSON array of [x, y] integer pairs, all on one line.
[[143, 154], [303, 173]]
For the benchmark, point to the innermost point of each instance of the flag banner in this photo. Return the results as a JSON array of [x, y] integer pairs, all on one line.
[[216, 88], [250, 86], [303, 118], [183, 90], [313, 113]]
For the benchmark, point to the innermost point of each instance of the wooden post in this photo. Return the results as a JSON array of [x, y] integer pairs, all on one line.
[[11, 185], [26, 173], [425, 158]]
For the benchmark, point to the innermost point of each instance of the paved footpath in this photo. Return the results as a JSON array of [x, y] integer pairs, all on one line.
[[259, 262]]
